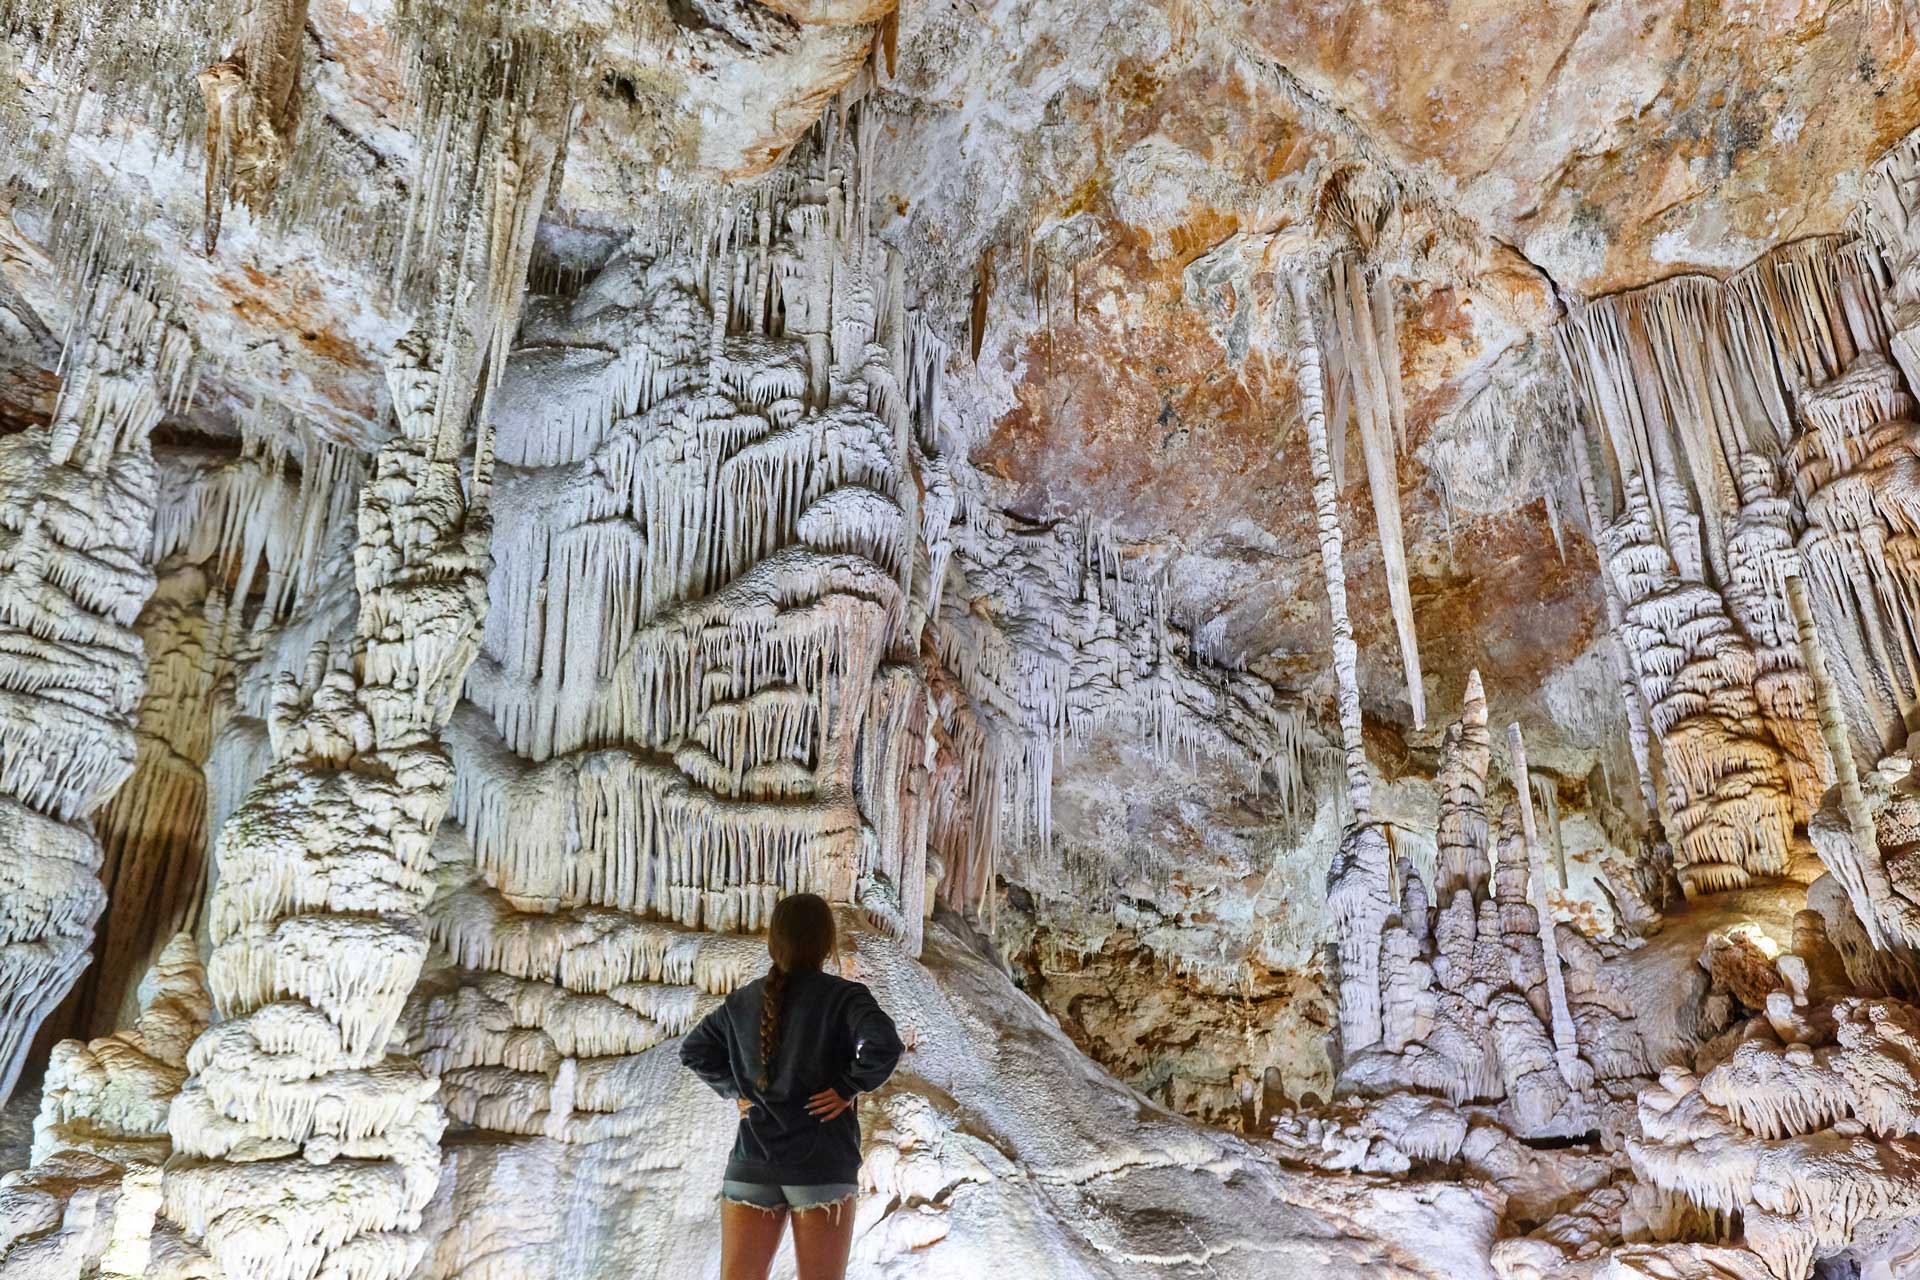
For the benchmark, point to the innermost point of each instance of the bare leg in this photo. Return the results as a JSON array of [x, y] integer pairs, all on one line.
[[749, 1237], [821, 1239]]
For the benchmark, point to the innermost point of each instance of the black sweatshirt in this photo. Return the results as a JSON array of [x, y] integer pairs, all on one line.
[[832, 1035]]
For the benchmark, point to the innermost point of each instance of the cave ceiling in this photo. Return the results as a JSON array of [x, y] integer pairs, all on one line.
[[1109, 189]]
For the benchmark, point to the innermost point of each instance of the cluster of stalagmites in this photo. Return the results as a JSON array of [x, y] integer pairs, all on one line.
[[1789, 1137], [1465, 1009]]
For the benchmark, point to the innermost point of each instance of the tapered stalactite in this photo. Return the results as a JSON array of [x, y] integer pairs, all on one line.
[[1890, 212], [1363, 321], [76, 514], [253, 110]]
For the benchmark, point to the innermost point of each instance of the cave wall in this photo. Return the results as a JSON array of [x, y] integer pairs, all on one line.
[[1327, 593]]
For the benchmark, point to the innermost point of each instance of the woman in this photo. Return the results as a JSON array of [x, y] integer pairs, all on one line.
[[793, 1050]]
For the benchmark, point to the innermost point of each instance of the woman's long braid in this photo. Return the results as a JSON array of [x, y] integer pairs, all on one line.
[[770, 994]]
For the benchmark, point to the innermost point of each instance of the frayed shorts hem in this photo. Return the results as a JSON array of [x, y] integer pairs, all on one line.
[[769, 1197]]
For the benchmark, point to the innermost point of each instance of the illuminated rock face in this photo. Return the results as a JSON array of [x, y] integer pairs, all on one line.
[[640, 461]]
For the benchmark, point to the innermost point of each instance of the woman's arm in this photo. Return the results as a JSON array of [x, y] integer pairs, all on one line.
[[705, 1054], [876, 1046]]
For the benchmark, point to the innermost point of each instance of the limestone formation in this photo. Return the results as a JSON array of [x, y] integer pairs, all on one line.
[[495, 495], [75, 519], [1731, 810]]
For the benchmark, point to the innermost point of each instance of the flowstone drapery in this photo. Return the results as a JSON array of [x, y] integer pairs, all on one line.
[[1698, 391], [76, 514], [1730, 807], [694, 696]]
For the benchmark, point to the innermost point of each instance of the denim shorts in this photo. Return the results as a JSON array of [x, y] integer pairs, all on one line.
[[771, 1196]]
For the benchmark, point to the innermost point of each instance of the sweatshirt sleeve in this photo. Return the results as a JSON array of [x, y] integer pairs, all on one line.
[[704, 1053], [876, 1046]]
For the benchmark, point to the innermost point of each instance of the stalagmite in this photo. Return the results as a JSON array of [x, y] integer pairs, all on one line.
[[242, 547], [1479, 1001], [304, 1145], [1466, 752], [110, 1097], [1566, 1047]]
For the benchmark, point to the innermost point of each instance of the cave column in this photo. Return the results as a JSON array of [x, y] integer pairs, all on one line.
[[76, 517], [1855, 859], [303, 1147], [1358, 895], [308, 1148]]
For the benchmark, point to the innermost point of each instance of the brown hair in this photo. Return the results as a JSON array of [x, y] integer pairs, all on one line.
[[801, 936]]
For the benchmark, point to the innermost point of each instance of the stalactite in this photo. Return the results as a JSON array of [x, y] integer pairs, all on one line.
[[1890, 201], [253, 110], [1363, 322], [1358, 898]]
